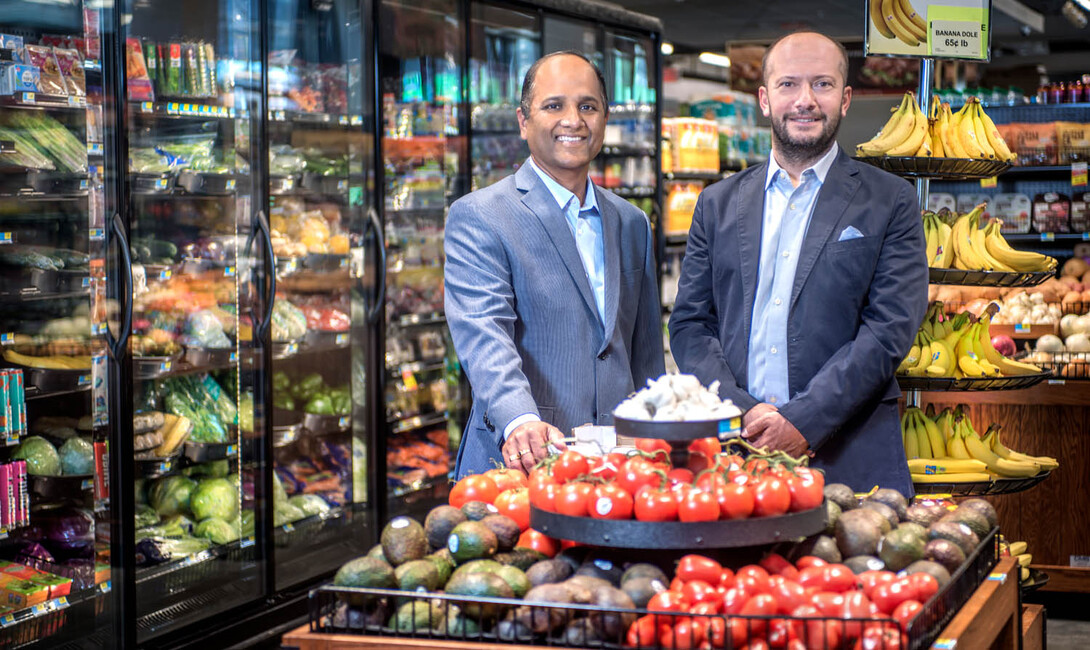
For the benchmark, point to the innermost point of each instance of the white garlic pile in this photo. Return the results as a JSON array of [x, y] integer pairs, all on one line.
[[676, 398]]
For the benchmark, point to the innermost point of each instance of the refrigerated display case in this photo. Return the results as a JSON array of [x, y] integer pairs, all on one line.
[[57, 563]]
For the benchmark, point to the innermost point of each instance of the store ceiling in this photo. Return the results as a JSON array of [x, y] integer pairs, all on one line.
[[694, 25]]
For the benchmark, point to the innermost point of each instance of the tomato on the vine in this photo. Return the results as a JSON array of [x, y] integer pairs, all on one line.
[[475, 487], [543, 491], [636, 473], [610, 501], [515, 504], [539, 542], [610, 465], [679, 476], [771, 497], [569, 465], [507, 479], [658, 450], [755, 465], [806, 487], [736, 501], [698, 505], [703, 453], [574, 498], [655, 504]]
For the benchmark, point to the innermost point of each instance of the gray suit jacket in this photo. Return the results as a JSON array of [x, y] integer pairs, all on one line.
[[855, 308], [523, 318]]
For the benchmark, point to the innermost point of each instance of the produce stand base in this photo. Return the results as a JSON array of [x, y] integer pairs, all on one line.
[[301, 639], [1033, 627], [991, 618]]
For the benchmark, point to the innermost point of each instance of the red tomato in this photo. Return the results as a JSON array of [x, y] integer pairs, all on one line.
[[645, 631], [516, 505], [636, 473], [475, 487], [838, 577], [809, 561], [683, 635], [726, 578], [770, 497], [735, 501], [570, 465], [877, 636], [736, 596], [698, 567], [871, 579], [906, 611], [715, 627], [703, 453], [789, 595], [657, 450], [755, 466], [710, 480], [757, 644], [924, 585], [780, 633], [653, 504], [507, 479], [698, 505], [543, 493], [679, 476], [610, 501], [756, 575], [888, 596], [610, 465], [777, 564], [539, 542], [759, 605], [574, 498], [829, 602], [812, 630], [677, 584], [700, 592], [668, 601], [856, 609], [807, 488]]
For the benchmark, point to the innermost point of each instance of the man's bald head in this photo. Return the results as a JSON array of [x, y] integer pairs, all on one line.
[[804, 39]]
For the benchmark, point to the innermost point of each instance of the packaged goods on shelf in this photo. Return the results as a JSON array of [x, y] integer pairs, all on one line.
[[680, 204], [13, 409], [630, 124], [1013, 210], [1074, 142], [740, 145], [1034, 143], [13, 478], [1051, 212], [729, 108], [695, 144]]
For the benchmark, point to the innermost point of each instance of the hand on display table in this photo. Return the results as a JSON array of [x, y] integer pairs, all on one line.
[[764, 426], [529, 443]]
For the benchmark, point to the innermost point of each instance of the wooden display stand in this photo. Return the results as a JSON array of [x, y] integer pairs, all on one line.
[[991, 619], [1033, 627]]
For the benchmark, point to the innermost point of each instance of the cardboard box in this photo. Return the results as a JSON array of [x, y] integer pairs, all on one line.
[[1035, 144], [25, 593], [58, 585], [18, 78], [1073, 142]]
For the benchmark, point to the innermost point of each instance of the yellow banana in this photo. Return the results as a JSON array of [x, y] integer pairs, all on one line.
[[1018, 548], [955, 446], [1008, 367], [1001, 450], [978, 352], [946, 247], [945, 422], [963, 126], [931, 235], [950, 141], [911, 441], [965, 257], [878, 19], [899, 24], [944, 466], [981, 134], [999, 145], [923, 443], [976, 240], [1023, 261], [925, 147], [943, 356], [934, 436], [965, 477], [917, 21], [910, 360], [893, 133], [916, 136], [1001, 466]]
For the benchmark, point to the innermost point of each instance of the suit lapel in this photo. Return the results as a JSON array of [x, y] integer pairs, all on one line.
[[611, 227], [541, 202], [751, 205], [833, 198]]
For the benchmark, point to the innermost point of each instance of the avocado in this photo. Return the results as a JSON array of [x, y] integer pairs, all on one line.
[[444, 564], [881, 520], [506, 530], [516, 579], [957, 533], [644, 570], [893, 499], [511, 629], [461, 626], [899, 548], [376, 552], [611, 625], [946, 553], [983, 507], [348, 616], [939, 572], [972, 518], [820, 546], [842, 495], [439, 522], [478, 510], [418, 575], [544, 619], [471, 540], [474, 566], [914, 528], [861, 563], [476, 584], [549, 571], [403, 539], [832, 513], [600, 567], [575, 556], [365, 572], [858, 532], [580, 633], [887, 513], [418, 616], [520, 558], [640, 589], [925, 514]]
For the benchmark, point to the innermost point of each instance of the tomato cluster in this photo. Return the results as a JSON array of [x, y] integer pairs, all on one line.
[[715, 485], [506, 490], [823, 606]]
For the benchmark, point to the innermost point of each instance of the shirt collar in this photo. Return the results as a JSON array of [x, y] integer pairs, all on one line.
[[563, 194], [820, 168]]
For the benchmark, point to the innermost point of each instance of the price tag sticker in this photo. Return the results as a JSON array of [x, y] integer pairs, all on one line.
[[147, 107], [84, 380], [7, 338], [954, 38], [1078, 174], [288, 528], [87, 484], [5, 238], [165, 274], [229, 271], [344, 421], [232, 450], [105, 587], [97, 234], [1048, 236], [991, 181], [409, 379], [234, 357], [1056, 382], [247, 542], [74, 101], [1022, 329], [342, 339], [30, 98]]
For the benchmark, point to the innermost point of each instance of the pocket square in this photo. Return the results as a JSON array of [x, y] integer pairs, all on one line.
[[851, 232]]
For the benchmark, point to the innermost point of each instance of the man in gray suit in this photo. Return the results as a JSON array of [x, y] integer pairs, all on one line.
[[551, 295], [805, 280]]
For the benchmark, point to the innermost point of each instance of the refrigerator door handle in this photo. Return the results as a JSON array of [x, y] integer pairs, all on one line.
[[117, 345], [269, 262], [375, 309]]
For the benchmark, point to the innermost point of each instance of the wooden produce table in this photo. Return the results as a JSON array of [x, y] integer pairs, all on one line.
[[1049, 419], [992, 618]]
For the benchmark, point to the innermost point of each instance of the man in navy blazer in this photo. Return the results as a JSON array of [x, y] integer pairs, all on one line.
[[551, 295], [805, 280]]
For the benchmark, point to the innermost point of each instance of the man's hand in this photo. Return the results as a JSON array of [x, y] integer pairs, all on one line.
[[774, 431], [529, 443], [755, 413]]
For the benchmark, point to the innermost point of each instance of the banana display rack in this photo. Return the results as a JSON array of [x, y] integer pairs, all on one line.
[[988, 278], [993, 487], [1015, 382], [950, 169]]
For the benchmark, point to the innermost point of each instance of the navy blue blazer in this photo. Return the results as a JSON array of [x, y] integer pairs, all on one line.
[[855, 308]]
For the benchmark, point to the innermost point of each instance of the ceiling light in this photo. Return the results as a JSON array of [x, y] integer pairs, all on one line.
[[712, 58], [667, 47], [1085, 4]]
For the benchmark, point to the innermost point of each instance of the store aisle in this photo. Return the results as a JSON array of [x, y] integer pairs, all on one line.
[[1066, 634]]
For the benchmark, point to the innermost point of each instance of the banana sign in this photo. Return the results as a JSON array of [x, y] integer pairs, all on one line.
[[946, 29]]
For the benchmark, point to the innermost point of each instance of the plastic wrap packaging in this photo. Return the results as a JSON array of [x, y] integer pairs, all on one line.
[[50, 81]]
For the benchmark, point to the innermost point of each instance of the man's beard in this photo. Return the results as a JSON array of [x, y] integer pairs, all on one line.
[[807, 148]]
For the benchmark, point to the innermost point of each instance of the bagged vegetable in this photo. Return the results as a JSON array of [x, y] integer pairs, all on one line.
[[215, 497], [204, 330], [217, 530], [171, 495], [40, 455], [77, 457]]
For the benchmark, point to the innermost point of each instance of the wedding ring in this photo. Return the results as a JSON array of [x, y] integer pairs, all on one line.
[[514, 457], [524, 452]]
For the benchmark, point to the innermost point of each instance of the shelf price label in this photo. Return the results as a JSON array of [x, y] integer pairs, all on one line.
[[991, 181], [7, 338], [30, 98], [409, 379], [1048, 236], [5, 238], [1078, 174]]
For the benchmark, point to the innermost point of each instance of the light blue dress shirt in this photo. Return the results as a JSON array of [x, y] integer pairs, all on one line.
[[783, 229], [585, 222]]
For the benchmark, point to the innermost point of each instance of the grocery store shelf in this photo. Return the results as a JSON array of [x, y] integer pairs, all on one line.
[[40, 101], [416, 422], [56, 604], [982, 488], [633, 192], [33, 392], [184, 110], [420, 320], [303, 117], [92, 65], [693, 176], [416, 367], [1033, 237], [1028, 170], [494, 132], [7, 146], [628, 150], [419, 486]]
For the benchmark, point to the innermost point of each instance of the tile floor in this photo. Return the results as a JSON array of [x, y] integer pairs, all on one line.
[[1067, 634]]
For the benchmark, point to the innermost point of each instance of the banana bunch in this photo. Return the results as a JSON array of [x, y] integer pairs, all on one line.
[[959, 347], [1020, 552], [957, 241], [969, 133], [55, 362], [898, 19], [945, 448]]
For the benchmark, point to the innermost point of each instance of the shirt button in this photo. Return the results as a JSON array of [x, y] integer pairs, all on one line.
[[773, 349], [786, 254], [771, 400], [777, 301], [792, 206]]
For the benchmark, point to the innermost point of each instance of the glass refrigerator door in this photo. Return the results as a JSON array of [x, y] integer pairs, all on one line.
[[321, 214], [190, 115], [55, 509], [503, 44], [628, 159], [420, 66]]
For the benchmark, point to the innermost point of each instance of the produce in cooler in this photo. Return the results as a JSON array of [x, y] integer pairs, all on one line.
[[299, 228], [958, 242], [412, 459], [41, 142]]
